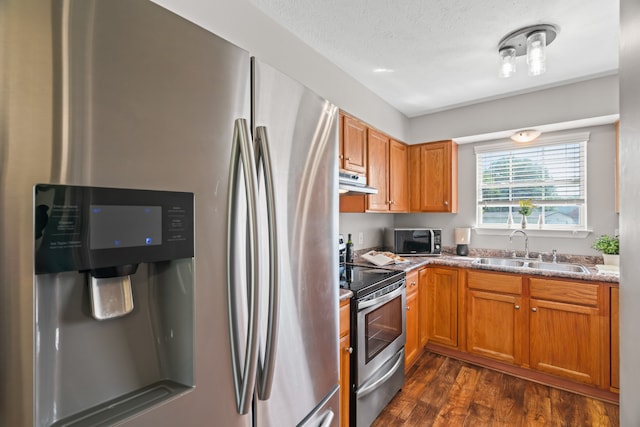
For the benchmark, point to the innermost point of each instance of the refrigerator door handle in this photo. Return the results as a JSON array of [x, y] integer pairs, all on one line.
[[266, 367], [327, 419], [244, 377]]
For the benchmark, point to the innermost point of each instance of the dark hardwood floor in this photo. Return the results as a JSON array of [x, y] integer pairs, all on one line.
[[440, 391]]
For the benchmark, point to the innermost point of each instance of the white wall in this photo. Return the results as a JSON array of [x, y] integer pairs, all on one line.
[[601, 215], [241, 23], [583, 100], [370, 224]]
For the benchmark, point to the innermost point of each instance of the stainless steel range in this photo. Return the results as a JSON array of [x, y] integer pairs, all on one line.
[[378, 337]]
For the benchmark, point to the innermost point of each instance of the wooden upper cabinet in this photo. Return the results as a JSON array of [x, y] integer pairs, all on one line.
[[378, 170], [353, 145], [434, 177], [398, 176], [386, 169]]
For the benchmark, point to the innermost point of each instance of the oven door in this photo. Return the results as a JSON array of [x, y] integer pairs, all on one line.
[[380, 331]]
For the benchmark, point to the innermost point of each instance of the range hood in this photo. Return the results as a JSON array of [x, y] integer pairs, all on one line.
[[349, 183]]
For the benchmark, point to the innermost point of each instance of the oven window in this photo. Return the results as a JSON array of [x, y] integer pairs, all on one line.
[[382, 326]]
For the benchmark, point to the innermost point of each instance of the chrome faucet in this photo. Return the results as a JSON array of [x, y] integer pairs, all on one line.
[[526, 241]]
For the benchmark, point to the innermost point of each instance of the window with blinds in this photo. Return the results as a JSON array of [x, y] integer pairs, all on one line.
[[550, 173]]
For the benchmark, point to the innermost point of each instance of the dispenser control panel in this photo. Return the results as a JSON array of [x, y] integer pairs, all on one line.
[[85, 228]]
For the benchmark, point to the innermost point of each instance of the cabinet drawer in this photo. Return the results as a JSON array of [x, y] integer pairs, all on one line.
[[494, 282], [569, 292], [344, 318], [412, 282]]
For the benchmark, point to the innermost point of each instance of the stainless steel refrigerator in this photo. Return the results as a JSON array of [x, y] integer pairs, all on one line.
[[122, 95]]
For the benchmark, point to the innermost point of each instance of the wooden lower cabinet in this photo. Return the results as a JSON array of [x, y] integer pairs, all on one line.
[[345, 362], [552, 326], [495, 316], [495, 326], [412, 347], [565, 340], [614, 328], [442, 306], [423, 306], [565, 329]]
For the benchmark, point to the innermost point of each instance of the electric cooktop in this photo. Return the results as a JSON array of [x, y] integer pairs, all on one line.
[[365, 280]]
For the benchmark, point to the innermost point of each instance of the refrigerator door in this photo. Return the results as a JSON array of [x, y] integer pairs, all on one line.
[[115, 93], [301, 129]]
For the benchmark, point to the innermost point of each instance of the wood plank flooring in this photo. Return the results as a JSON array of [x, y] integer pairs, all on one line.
[[440, 391]]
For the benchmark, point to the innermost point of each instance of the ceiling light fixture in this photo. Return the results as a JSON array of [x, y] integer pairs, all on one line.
[[531, 41], [525, 135]]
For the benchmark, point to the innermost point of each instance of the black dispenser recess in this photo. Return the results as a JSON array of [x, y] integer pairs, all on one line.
[[107, 232]]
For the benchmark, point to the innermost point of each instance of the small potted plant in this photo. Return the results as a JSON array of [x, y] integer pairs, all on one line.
[[526, 207], [610, 248]]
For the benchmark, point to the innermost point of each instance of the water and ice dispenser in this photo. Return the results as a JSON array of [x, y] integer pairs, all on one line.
[[114, 301]]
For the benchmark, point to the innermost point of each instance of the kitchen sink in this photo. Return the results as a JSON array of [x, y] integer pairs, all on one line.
[[574, 268], [504, 262], [537, 265]]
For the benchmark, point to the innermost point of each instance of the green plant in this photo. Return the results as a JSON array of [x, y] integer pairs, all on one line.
[[526, 207], [609, 245]]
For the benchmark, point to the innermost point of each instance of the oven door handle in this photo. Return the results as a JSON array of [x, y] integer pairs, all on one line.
[[371, 387], [381, 299]]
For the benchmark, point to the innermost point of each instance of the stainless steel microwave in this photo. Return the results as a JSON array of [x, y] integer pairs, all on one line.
[[414, 241]]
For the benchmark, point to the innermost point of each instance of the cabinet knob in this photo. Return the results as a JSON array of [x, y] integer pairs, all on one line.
[[446, 203], [340, 156], [534, 309], [413, 283], [349, 350], [408, 308], [517, 307], [348, 159]]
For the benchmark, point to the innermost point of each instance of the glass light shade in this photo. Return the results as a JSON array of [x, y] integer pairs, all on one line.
[[462, 236], [536, 44], [507, 62], [526, 135]]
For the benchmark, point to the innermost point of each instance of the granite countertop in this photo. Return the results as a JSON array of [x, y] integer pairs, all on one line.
[[345, 294], [467, 262]]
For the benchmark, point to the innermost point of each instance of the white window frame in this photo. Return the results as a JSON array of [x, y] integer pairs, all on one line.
[[577, 230]]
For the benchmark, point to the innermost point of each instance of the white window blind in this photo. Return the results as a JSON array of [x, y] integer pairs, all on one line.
[[551, 173]]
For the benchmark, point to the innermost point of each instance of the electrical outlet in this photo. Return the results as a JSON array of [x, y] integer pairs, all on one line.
[[361, 238]]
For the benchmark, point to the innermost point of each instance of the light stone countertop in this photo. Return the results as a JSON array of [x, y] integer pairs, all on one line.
[[467, 262]]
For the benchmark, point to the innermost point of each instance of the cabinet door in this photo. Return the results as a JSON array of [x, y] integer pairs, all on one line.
[[565, 340], [345, 363], [378, 171], [415, 178], [345, 383], [437, 192], [442, 313], [435, 187], [398, 177], [495, 325], [615, 338], [423, 332], [411, 346], [354, 146]]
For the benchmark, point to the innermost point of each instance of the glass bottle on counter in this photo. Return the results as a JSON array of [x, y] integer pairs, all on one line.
[[349, 254]]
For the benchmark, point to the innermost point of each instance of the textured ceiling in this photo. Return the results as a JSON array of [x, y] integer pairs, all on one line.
[[443, 53]]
